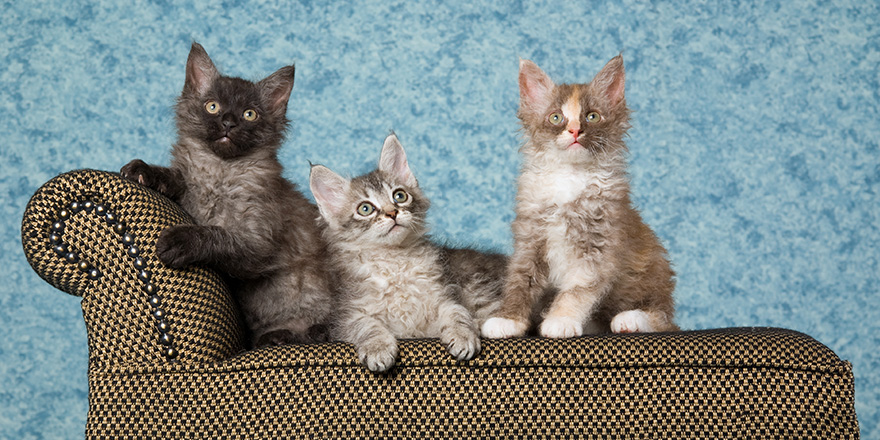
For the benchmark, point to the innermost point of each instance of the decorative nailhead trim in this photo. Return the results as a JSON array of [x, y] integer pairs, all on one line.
[[127, 239]]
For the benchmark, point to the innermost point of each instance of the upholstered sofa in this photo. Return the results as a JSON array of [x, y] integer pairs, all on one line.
[[166, 358]]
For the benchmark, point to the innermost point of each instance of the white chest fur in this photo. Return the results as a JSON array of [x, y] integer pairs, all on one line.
[[548, 194], [541, 187], [404, 290]]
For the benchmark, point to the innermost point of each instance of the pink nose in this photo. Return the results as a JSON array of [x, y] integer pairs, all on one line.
[[392, 214]]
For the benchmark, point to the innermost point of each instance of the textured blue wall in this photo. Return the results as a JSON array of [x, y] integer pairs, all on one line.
[[754, 142]]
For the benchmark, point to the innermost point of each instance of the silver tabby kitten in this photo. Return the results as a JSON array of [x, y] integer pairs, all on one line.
[[252, 224], [395, 283]]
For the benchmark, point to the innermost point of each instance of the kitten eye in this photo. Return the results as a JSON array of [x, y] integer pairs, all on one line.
[[593, 117], [250, 115], [400, 196], [555, 118], [212, 107], [365, 209]]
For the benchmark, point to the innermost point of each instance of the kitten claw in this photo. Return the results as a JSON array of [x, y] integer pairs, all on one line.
[[561, 327], [134, 171], [461, 344], [631, 321], [497, 328]]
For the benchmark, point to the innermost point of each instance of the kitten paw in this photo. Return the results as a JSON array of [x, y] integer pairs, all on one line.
[[378, 358], [561, 327], [631, 321], [176, 246], [135, 171], [497, 328], [462, 343]]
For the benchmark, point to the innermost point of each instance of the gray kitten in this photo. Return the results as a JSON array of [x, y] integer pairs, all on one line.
[[579, 244], [396, 283], [251, 223]]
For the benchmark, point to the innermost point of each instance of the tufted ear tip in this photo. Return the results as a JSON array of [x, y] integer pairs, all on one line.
[[392, 160], [535, 87], [611, 80]]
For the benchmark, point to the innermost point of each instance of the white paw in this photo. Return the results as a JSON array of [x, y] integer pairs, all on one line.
[[497, 328], [462, 343], [561, 327], [378, 359], [631, 321]]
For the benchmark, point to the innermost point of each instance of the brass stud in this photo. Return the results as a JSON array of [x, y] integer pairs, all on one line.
[[60, 249], [165, 339], [127, 239]]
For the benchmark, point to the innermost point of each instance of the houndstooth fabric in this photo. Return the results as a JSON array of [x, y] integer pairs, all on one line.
[[166, 358]]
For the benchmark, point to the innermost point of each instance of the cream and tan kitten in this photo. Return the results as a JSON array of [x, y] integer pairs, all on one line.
[[583, 260], [395, 282]]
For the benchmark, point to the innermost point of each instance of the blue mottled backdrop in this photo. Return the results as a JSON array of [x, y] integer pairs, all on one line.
[[754, 141]]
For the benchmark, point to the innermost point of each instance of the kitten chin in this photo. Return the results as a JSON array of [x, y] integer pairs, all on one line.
[[584, 261]]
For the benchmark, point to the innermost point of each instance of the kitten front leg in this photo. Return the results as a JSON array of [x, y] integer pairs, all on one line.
[[376, 346], [458, 332], [182, 245], [571, 308], [167, 181], [524, 285]]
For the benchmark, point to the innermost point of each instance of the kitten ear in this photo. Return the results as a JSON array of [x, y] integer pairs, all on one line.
[[610, 81], [535, 88], [330, 191], [392, 160], [200, 71], [276, 89]]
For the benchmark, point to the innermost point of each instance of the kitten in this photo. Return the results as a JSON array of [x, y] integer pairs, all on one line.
[[251, 223], [396, 283], [579, 245]]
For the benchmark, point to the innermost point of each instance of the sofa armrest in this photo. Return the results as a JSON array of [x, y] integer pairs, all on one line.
[[92, 234]]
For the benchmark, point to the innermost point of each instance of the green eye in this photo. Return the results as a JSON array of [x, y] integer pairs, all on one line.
[[250, 115], [593, 117], [400, 196], [365, 209], [556, 118], [212, 107]]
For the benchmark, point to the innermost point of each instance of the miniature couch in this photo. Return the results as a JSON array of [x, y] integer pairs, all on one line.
[[166, 358]]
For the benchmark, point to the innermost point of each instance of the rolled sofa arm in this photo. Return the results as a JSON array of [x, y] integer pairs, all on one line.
[[92, 234]]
